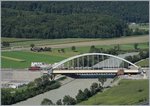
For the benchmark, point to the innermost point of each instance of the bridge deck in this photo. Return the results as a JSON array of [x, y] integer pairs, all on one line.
[[92, 71]]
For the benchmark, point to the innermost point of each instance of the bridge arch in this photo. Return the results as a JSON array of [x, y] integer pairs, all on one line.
[[90, 54]]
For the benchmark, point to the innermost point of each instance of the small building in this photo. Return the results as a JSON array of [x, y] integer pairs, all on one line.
[[37, 64]]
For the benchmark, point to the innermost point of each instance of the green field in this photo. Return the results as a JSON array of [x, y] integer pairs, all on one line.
[[28, 57], [128, 92], [52, 57], [143, 63], [14, 59]]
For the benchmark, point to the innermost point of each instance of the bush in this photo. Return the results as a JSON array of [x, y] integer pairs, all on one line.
[[5, 44], [81, 96], [94, 88], [140, 90], [67, 100], [59, 102], [87, 93], [46, 102], [36, 87], [73, 48], [32, 45]]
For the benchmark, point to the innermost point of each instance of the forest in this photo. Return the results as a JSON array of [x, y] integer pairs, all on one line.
[[71, 19]]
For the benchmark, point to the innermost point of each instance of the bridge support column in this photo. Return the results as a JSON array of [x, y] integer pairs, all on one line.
[[82, 62], [88, 61], [93, 62], [103, 61], [98, 61]]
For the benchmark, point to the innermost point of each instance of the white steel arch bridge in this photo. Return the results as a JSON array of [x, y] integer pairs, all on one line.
[[94, 63]]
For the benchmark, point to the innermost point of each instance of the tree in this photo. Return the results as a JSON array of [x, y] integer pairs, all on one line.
[[59, 102], [87, 93], [31, 84], [6, 97], [94, 88], [58, 51], [63, 50], [67, 100], [5, 44], [129, 58], [73, 48], [50, 49], [117, 47], [143, 54], [102, 80], [45, 79], [46, 102], [80, 96], [135, 58], [38, 82], [92, 49], [136, 46], [32, 45], [112, 51]]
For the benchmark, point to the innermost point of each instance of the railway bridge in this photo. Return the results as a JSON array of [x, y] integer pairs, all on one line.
[[94, 63]]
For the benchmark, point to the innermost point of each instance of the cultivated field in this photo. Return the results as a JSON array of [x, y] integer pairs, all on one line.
[[28, 57], [122, 40], [9, 58], [13, 59], [64, 43], [126, 93]]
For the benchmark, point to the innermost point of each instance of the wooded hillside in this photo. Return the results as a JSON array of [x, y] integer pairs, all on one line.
[[49, 19]]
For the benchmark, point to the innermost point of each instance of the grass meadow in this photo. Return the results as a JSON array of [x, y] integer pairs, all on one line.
[[128, 92], [143, 63], [23, 59]]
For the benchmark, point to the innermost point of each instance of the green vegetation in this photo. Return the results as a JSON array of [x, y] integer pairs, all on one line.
[[28, 57], [67, 100], [59, 102], [71, 19], [36, 87], [5, 44], [134, 11], [142, 55], [13, 59], [55, 56], [143, 63], [46, 102], [56, 26], [128, 92], [82, 95], [139, 29], [73, 41], [140, 26]]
